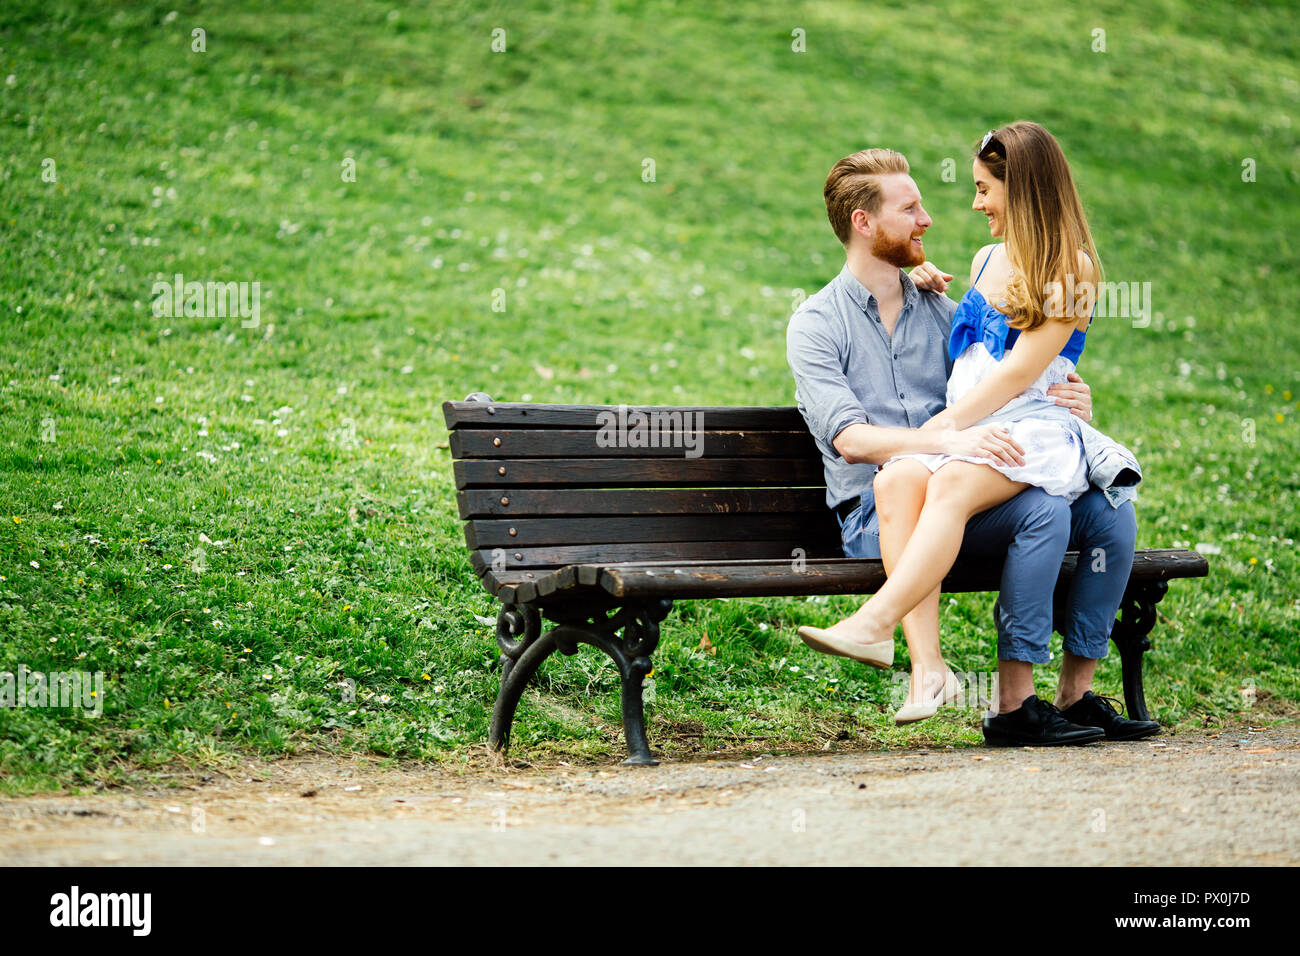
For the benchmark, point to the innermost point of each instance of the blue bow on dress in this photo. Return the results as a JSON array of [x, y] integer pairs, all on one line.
[[977, 321]]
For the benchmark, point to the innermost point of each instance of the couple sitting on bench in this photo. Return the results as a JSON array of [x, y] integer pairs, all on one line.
[[950, 428]]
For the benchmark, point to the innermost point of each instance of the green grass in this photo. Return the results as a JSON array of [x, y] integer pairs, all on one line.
[[324, 473]]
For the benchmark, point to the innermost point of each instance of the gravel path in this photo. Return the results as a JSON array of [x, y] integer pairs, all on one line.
[[1227, 798]]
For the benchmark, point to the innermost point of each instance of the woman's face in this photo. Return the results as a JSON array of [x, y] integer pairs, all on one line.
[[990, 198]]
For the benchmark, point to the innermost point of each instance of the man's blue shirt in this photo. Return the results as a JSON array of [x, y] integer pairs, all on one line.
[[848, 369]]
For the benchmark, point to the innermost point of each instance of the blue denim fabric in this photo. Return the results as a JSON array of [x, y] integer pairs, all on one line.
[[1104, 535], [859, 533], [1033, 531]]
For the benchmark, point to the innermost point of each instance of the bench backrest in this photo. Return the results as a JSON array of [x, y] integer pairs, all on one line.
[[543, 486]]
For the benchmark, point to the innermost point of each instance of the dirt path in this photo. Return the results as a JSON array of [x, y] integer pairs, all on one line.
[[1190, 799]]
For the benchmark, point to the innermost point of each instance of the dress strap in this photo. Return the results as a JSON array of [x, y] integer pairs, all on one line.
[[986, 262]]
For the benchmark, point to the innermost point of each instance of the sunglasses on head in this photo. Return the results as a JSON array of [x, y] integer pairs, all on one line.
[[991, 137]]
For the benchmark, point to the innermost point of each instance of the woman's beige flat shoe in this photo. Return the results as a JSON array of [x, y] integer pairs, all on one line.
[[911, 713], [880, 654]]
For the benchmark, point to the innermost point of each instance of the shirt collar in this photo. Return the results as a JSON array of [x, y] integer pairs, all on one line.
[[863, 297]]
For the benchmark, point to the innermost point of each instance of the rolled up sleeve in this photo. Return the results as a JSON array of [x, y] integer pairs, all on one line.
[[822, 390]]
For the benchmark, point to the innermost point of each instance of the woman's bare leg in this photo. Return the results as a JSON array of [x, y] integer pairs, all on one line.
[[900, 496], [956, 492]]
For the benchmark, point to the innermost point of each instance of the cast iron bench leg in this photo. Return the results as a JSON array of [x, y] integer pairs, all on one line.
[[523, 648], [631, 653], [1137, 618]]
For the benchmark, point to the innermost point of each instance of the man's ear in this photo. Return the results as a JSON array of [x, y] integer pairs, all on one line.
[[860, 220]]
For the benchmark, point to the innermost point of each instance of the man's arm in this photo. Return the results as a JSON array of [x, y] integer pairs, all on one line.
[[1020, 367], [828, 404], [876, 444]]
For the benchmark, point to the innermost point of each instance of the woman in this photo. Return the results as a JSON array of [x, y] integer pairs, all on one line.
[[1035, 292]]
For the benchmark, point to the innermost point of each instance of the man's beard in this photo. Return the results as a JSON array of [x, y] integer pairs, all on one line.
[[897, 252]]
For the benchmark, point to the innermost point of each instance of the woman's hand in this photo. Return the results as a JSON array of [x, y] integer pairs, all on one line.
[[929, 278]]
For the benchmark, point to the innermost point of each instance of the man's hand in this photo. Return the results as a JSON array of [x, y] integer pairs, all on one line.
[[1075, 395], [984, 441], [929, 278]]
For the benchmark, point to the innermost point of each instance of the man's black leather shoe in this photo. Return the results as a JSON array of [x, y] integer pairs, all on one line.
[[1093, 711], [1036, 724]]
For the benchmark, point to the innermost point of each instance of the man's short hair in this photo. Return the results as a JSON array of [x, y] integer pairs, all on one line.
[[854, 183]]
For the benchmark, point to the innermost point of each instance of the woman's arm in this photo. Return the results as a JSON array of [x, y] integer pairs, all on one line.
[[1021, 366]]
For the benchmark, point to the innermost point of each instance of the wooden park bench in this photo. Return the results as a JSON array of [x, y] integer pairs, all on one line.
[[597, 518]]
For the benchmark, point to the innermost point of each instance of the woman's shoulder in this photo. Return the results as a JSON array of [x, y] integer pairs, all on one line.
[[1087, 282], [1087, 268], [980, 258]]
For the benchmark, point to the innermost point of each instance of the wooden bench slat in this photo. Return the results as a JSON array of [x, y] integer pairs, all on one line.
[[472, 414], [519, 592], [845, 576], [631, 529], [497, 581], [468, 443], [1165, 564], [660, 472], [641, 501], [761, 578], [556, 556], [750, 579]]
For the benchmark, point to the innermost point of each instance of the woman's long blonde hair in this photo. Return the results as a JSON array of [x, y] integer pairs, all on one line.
[[1045, 224]]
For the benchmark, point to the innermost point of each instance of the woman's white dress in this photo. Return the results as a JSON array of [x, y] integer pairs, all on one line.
[[1054, 459]]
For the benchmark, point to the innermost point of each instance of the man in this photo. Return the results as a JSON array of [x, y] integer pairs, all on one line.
[[869, 353]]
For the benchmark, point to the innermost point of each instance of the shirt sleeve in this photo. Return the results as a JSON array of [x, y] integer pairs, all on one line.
[[826, 401], [944, 310]]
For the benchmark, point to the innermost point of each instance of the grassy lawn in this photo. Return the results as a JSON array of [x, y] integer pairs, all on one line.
[[251, 529]]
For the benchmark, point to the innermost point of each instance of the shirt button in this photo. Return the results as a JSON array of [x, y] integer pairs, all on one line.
[[895, 355], [900, 394]]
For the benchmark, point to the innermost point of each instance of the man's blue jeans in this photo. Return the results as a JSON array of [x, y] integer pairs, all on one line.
[[1034, 530]]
